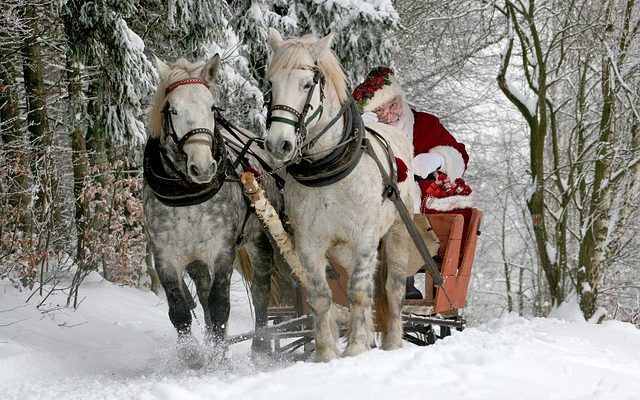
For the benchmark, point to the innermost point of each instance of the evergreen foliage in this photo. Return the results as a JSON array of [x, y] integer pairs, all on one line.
[[97, 79]]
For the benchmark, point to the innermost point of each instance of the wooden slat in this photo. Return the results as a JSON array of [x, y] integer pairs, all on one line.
[[457, 282], [451, 257]]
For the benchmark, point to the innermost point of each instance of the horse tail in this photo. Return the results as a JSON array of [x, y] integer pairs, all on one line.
[[380, 300], [244, 264], [246, 270]]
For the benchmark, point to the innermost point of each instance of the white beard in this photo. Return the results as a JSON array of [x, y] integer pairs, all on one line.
[[406, 120]]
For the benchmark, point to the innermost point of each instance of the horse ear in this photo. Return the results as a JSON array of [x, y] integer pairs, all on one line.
[[323, 45], [210, 70], [275, 38], [163, 69]]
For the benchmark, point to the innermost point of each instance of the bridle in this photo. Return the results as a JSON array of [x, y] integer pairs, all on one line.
[[301, 121], [216, 144], [336, 162], [168, 111]]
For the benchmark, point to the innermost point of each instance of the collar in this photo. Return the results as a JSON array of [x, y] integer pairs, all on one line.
[[341, 161], [170, 187]]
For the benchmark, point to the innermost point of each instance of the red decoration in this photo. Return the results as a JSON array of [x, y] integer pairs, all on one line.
[[249, 168], [402, 170], [375, 80], [443, 187]]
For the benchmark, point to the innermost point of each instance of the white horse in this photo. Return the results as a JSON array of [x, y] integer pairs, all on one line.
[[334, 192]]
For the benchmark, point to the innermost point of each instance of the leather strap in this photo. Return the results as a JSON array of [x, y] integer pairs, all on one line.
[[392, 192]]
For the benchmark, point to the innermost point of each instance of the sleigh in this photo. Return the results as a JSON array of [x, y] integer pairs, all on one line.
[[424, 321]]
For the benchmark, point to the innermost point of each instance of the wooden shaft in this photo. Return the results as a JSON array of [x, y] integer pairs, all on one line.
[[271, 220]]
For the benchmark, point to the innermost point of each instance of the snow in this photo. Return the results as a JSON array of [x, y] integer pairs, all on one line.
[[119, 345], [529, 103], [551, 251]]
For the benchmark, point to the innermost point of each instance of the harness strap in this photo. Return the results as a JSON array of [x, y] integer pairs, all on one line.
[[241, 159], [391, 191], [312, 142], [169, 185], [340, 162], [188, 81]]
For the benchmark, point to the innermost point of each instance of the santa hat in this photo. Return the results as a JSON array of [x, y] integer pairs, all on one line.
[[379, 87]]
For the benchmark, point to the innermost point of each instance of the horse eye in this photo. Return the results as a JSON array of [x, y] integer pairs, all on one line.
[[173, 111], [307, 86]]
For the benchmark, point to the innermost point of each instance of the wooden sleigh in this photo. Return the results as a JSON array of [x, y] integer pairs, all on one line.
[[425, 321]]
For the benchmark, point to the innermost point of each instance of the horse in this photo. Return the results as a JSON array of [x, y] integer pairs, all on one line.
[[334, 192], [196, 217]]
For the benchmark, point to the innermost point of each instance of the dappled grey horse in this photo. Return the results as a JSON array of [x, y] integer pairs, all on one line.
[[196, 216]]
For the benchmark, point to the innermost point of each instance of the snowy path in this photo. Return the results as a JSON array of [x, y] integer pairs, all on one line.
[[118, 345]]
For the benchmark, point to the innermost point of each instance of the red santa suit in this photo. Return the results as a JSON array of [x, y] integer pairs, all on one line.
[[443, 190]]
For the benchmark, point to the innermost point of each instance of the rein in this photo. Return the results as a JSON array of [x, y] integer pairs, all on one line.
[[242, 152], [392, 192]]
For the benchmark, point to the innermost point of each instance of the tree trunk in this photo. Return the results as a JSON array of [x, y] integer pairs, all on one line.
[[96, 138], [505, 261], [78, 145], [38, 124], [18, 155]]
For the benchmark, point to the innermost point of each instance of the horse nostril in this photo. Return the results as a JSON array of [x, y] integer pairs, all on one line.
[[193, 170], [286, 146]]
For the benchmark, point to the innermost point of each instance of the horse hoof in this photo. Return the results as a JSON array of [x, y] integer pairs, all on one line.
[[190, 352], [391, 346], [354, 349], [325, 355]]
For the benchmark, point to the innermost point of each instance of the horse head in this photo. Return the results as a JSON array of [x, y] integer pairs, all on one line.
[[183, 118], [303, 73]]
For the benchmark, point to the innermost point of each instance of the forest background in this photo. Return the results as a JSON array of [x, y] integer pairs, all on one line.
[[543, 93]]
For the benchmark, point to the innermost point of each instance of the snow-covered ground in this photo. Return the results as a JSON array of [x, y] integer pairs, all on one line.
[[119, 345]]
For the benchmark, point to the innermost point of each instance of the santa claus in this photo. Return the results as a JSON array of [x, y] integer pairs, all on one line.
[[439, 159]]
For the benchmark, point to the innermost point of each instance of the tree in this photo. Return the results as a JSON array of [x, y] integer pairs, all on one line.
[[82, 81], [583, 176]]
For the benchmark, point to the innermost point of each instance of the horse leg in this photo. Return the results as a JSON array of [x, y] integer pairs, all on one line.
[[180, 314], [199, 273], [261, 254], [360, 337], [319, 300], [396, 243], [219, 303]]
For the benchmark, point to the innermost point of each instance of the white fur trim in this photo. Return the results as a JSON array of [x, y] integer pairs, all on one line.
[[449, 203], [417, 196], [453, 161], [369, 116], [406, 121], [381, 96]]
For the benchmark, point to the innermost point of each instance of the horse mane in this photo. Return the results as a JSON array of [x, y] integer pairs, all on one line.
[[290, 53], [181, 69]]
